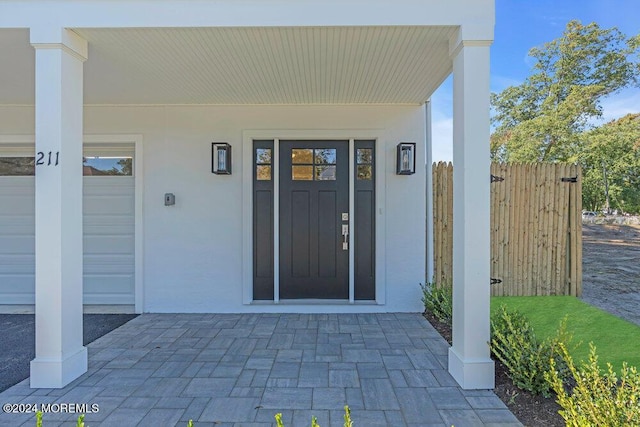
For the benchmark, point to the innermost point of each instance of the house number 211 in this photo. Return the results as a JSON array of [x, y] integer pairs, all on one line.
[[48, 159]]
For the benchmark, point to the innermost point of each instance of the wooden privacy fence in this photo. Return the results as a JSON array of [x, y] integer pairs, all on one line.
[[536, 228]]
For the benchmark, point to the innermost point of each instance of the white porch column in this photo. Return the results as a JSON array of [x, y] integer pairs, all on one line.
[[60, 356], [469, 357]]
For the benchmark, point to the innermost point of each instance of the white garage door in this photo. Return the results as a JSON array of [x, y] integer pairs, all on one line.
[[109, 226]]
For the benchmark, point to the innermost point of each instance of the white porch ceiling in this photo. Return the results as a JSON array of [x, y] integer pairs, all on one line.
[[265, 65]]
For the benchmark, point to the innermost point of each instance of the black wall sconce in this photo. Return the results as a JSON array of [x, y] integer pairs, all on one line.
[[221, 158], [406, 158]]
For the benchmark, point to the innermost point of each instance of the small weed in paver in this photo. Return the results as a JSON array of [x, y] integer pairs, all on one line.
[[278, 417], [314, 420], [347, 417], [79, 422]]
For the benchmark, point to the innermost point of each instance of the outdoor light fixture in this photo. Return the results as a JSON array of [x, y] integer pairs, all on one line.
[[221, 158], [406, 158]]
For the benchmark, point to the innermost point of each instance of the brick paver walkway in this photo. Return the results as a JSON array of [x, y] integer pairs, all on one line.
[[241, 369]]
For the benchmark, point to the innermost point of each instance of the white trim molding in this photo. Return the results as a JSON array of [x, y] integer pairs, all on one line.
[[233, 13]]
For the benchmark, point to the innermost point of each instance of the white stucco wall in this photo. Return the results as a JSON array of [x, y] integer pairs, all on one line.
[[193, 255]]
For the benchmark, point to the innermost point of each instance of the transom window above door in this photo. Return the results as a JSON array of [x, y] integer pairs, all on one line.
[[313, 164]]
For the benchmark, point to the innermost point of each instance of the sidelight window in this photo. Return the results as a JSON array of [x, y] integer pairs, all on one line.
[[263, 164], [364, 163]]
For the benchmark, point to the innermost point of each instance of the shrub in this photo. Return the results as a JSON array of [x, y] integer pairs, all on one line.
[[514, 343], [438, 300], [597, 397]]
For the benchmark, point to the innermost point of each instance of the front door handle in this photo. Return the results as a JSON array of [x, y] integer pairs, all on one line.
[[345, 237]]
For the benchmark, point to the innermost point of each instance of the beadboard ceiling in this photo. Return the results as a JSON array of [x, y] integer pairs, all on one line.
[[275, 65]]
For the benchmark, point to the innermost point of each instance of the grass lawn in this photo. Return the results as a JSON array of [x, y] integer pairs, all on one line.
[[616, 340]]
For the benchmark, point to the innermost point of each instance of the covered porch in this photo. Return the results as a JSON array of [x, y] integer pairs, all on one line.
[[68, 63], [240, 369]]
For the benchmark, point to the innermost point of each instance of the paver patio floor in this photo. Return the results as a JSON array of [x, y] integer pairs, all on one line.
[[242, 369]]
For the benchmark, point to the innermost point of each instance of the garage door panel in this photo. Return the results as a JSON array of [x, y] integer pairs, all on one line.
[[108, 205], [117, 284], [17, 288], [108, 185], [17, 283], [111, 299], [111, 223], [22, 206], [109, 289], [108, 244], [108, 264], [108, 196], [21, 226], [107, 230], [17, 264], [18, 192], [23, 245], [11, 184]]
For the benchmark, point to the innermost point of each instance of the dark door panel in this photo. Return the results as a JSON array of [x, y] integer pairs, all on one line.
[[328, 237], [300, 223], [314, 192]]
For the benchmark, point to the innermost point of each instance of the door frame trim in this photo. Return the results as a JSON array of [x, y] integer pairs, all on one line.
[[247, 205]]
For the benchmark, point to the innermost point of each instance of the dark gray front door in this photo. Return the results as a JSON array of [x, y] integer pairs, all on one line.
[[314, 194]]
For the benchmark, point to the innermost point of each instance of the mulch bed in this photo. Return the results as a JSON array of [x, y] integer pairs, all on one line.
[[531, 410]]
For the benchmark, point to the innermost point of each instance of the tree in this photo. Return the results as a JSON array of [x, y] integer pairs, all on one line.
[[610, 164], [543, 118], [126, 166]]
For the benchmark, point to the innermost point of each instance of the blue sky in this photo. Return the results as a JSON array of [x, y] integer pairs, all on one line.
[[523, 24]]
